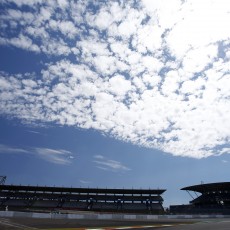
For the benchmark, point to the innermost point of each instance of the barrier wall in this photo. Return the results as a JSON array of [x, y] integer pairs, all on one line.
[[104, 216]]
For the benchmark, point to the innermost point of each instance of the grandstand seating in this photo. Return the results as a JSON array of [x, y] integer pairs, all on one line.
[[45, 203], [108, 206], [134, 206], [214, 198], [16, 203], [114, 200], [156, 206], [69, 205]]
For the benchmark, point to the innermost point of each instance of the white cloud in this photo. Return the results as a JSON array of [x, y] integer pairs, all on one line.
[[103, 20], [171, 83], [109, 165], [10, 149], [201, 23], [35, 132], [225, 150], [152, 73], [167, 13], [146, 40], [99, 157], [22, 42], [119, 85], [24, 2], [63, 3], [55, 156], [67, 28], [5, 84], [197, 59], [85, 182]]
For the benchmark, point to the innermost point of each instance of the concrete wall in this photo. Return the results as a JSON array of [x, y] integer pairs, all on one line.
[[105, 216]]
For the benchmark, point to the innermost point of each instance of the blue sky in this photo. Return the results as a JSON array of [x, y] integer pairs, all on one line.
[[115, 94]]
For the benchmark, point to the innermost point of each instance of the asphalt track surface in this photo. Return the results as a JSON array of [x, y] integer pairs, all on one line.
[[33, 224]]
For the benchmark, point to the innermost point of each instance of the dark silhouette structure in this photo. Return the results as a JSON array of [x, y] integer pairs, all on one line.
[[18, 197], [213, 198], [2, 180]]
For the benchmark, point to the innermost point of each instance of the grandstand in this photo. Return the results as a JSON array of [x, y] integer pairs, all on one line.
[[19, 197], [213, 198]]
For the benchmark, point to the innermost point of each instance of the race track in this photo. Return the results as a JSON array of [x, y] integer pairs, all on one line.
[[64, 224]]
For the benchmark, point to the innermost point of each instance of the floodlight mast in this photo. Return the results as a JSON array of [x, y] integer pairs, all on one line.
[[2, 180]]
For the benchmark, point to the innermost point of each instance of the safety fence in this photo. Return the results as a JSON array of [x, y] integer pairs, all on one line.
[[101, 216]]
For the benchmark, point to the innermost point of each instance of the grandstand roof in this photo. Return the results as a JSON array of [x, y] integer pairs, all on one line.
[[212, 187], [81, 190]]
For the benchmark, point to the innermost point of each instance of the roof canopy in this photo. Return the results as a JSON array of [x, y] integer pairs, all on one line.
[[81, 190], [212, 187]]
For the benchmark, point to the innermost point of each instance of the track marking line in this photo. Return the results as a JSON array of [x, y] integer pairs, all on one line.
[[11, 224], [94, 228], [120, 227], [130, 227], [123, 228]]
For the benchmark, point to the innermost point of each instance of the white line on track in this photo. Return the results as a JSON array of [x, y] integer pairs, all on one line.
[[123, 228], [7, 222], [131, 227], [94, 228]]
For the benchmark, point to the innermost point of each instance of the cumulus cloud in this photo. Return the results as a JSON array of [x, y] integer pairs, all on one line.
[[147, 73], [55, 156]]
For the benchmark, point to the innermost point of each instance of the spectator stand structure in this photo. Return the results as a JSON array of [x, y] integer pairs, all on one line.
[[2, 180], [18, 197], [213, 198]]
